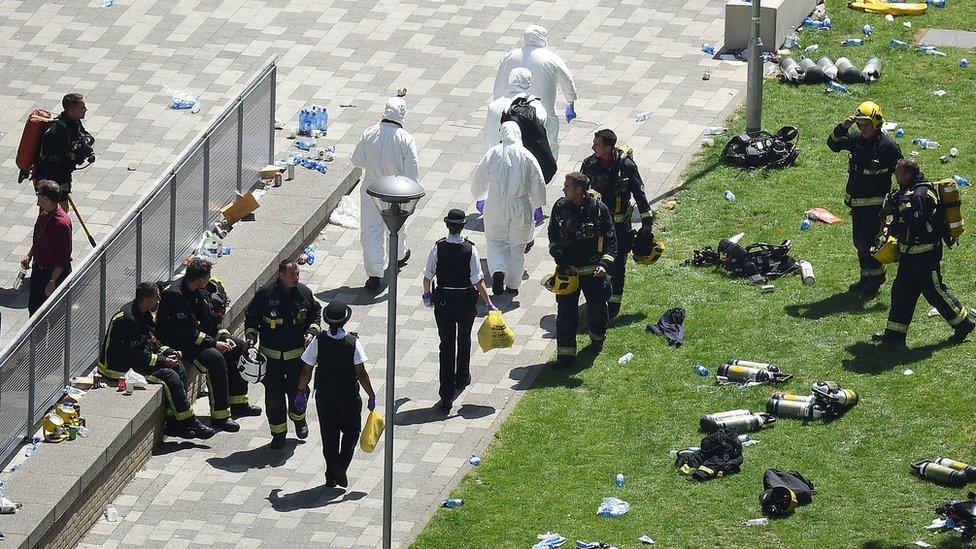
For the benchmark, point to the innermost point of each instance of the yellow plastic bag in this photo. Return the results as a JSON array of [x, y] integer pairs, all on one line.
[[371, 432], [494, 333]]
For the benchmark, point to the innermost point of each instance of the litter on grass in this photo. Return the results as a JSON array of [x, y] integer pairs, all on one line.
[[549, 540], [613, 507]]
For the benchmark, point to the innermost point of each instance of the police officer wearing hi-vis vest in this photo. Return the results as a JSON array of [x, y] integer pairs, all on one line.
[[583, 243], [283, 316], [189, 319], [613, 174], [454, 263], [920, 225], [869, 170]]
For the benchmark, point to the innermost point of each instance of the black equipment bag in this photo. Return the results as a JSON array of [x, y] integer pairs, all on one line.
[[534, 136], [761, 149]]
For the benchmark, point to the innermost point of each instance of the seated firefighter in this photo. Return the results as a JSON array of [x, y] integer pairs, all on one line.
[[130, 342], [190, 319]]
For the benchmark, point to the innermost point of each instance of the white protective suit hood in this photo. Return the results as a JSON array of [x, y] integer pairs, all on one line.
[[536, 36], [511, 134], [519, 81], [396, 110]]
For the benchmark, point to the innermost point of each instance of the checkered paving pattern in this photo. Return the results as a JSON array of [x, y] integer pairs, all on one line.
[[626, 57]]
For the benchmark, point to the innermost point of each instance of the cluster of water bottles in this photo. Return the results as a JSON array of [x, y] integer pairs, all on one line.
[[307, 256], [313, 118], [310, 163]]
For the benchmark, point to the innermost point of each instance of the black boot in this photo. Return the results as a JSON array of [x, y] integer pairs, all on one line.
[[341, 479], [277, 441], [613, 309], [227, 424], [373, 283], [498, 283], [301, 429], [856, 286], [244, 410], [888, 337], [962, 331], [564, 361], [192, 428], [872, 286]]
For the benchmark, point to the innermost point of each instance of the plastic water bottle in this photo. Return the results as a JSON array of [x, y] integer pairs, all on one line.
[[302, 122], [805, 224], [111, 513], [708, 48], [310, 253], [899, 133], [700, 370], [745, 438], [936, 3], [325, 120], [792, 40], [926, 143], [475, 460], [963, 63], [935, 53], [729, 195], [896, 43], [867, 30], [452, 503], [811, 48], [19, 281], [853, 42], [806, 271], [960, 180], [836, 87], [642, 116], [626, 358], [814, 24], [619, 480], [715, 130], [757, 522]]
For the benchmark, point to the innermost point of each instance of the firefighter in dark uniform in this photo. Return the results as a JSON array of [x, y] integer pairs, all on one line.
[[870, 167], [613, 174], [65, 146], [454, 263], [920, 228], [189, 319], [583, 243], [341, 371], [283, 316], [130, 342]]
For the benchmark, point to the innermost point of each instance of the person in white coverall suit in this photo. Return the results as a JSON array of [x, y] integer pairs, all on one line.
[[385, 149], [512, 180], [548, 70], [519, 84]]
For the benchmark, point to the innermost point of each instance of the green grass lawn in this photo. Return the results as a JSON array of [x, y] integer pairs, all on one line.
[[554, 459]]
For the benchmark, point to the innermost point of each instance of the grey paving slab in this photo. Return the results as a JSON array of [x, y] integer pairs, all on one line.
[[949, 38], [231, 490]]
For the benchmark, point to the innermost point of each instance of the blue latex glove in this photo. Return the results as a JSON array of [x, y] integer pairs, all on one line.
[[480, 205], [427, 300], [537, 216], [570, 112], [301, 400], [492, 307], [371, 403]]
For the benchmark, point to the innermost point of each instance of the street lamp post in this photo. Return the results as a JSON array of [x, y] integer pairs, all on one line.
[[396, 196], [754, 73]]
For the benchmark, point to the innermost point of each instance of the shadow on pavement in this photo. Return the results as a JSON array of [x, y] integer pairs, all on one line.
[[431, 414], [256, 458], [841, 302], [475, 411], [870, 358], [548, 323], [320, 496], [15, 299], [171, 446], [352, 296]]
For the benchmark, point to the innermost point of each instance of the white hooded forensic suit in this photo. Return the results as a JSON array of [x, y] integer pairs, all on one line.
[[385, 149], [519, 84], [511, 178], [548, 71]]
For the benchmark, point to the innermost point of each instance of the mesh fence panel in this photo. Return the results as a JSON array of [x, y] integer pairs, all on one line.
[[120, 272], [189, 203], [257, 147], [155, 237], [14, 379], [85, 318], [223, 164], [48, 358]]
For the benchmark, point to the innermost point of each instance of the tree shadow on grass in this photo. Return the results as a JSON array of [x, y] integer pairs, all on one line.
[[870, 358], [256, 458], [841, 302], [312, 498]]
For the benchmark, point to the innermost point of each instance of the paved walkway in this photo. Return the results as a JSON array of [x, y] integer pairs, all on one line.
[[625, 59]]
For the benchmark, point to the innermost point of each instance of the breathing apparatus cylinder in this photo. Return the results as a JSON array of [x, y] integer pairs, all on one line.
[[828, 67], [742, 423], [825, 386], [940, 474], [742, 374], [751, 364], [709, 423], [966, 468], [812, 73], [790, 396], [794, 409]]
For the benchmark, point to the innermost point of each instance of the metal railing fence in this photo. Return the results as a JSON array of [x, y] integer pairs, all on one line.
[[62, 338]]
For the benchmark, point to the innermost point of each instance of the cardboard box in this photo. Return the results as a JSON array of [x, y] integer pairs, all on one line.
[[269, 172], [240, 208]]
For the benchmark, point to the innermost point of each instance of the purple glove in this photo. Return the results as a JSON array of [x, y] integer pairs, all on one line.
[[480, 205], [570, 112], [371, 403], [492, 307], [427, 300], [301, 400], [537, 216]]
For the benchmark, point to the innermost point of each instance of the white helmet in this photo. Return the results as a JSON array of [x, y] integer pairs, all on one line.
[[252, 365]]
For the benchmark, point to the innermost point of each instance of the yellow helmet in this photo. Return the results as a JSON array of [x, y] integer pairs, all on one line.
[[871, 111], [562, 282], [887, 252], [647, 248], [68, 414], [54, 428]]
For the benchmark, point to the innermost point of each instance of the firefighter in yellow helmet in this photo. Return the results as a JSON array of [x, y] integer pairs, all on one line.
[[920, 228], [871, 165], [583, 242]]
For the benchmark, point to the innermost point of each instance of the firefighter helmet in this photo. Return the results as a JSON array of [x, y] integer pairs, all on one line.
[[562, 282], [252, 365], [870, 110]]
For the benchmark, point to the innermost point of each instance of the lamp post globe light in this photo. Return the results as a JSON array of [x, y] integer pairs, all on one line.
[[396, 196]]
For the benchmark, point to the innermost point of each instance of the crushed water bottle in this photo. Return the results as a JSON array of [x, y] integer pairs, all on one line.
[[452, 503], [700, 370], [111, 513], [715, 130], [853, 42], [19, 281], [757, 522], [805, 224], [619, 481], [867, 30], [475, 460], [899, 133], [744, 438], [811, 48], [960, 180], [626, 358], [936, 3], [310, 254], [708, 48], [896, 43], [729, 195], [926, 143], [814, 24], [836, 87], [642, 116], [792, 40], [963, 63]]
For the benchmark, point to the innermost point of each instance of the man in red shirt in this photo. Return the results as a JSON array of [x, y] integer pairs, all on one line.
[[51, 246]]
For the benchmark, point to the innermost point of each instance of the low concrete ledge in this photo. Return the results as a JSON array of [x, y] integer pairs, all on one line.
[[65, 487], [776, 18]]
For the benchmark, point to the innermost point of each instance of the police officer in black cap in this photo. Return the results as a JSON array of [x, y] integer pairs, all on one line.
[[340, 359], [454, 262]]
